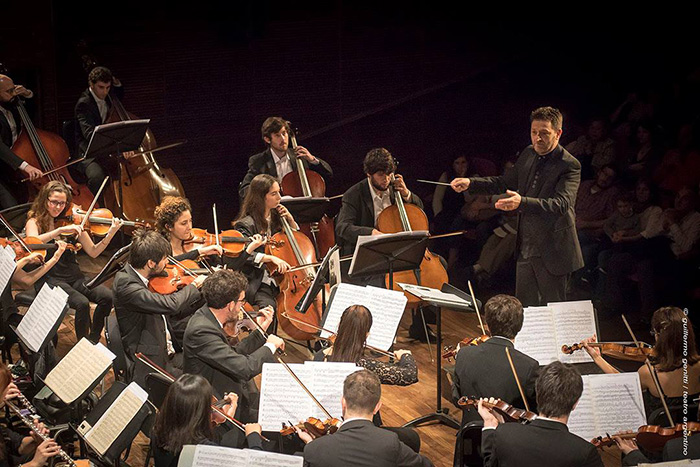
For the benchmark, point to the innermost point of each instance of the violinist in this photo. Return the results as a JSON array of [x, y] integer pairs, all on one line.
[[484, 370], [141, 313], [208, 352], [669, 326], [362, 205], [358, 442], [260, 214], [185, 418], [10, 127], [546, 440], [55, 201], [91, 110], [276, 160]]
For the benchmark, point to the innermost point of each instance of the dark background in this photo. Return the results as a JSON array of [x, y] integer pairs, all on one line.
[[423, 80]]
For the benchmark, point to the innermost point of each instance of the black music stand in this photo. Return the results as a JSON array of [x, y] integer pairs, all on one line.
[[441, 415], [317, 285], [306, 209], [389, 253], [115, 263]]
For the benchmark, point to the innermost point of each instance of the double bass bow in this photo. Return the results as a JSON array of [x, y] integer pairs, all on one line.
[[307, 183]]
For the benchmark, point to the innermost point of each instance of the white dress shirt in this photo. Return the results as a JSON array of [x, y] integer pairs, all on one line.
[[283, 164], [380, 199], [101, 105]]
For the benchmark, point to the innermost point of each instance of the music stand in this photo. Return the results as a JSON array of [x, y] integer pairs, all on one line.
[[306, 209], [115, 263], [441, 415], [388, 253], [317, 285]]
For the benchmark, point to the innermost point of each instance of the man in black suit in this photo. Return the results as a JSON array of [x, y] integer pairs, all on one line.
[[546, 440], [542, 187], [207, 350], [92, 110], [362, 205], [276, 160], [10, 126], [358, 442], [142, 314], [484, 371]]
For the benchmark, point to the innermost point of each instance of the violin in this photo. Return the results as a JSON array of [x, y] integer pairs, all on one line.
[[314, 426], [231, 241], [652, 438], [33, 244], [174, 277], [451, 352], [98, 223], [615, 350], [509, 413]]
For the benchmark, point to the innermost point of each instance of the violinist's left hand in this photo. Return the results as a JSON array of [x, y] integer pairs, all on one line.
[[304, 435], [625, 445], [511, 203], [256, 241], [400, 186], [265, 317], [116, 225], [592, 351], [304, 153], [232, 399], [211, 250], [491, 418]]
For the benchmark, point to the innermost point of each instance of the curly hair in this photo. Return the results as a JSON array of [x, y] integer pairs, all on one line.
[[38, 210], [168, 212]]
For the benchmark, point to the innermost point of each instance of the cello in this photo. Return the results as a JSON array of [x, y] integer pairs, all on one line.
[[307, 183], [48, 152], [401, 217], [296, 249]]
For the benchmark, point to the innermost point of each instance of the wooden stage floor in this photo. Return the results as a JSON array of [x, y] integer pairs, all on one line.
[[400, 404]]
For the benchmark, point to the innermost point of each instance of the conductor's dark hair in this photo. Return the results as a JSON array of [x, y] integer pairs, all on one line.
[[558, 387], [148, 244], [223, 287], [548, 114], [362, 391], [379, 160], [504, 315], [100, 73]]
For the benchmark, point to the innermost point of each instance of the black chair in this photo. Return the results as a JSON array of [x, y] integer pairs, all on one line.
[[157, 387], [122, 362], [658, 416], [16, 216], [468, 445]]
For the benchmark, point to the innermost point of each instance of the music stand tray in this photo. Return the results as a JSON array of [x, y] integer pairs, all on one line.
[[306, 209], [318, 283], [115, 263], [115, 138], [440, 415]]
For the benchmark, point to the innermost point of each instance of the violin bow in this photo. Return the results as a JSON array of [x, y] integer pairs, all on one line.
[[289, 370], [216, 225], [476, 307], [517, 380], [652, 373], [94, 202], [14, 232], [187, 270]]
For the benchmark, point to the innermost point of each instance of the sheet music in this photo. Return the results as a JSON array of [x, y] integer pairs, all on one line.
[[610, 403], [41, 316], [386, 306], [7, 267], [681, 463], [217, 456], [281, 398], [537, 338], [574, 321], [334, 271], [426, 293], [79, 370], [362, 239], [116, 418]]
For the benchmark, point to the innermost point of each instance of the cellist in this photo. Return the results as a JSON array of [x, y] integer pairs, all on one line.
[[10, 126], [92, 110], [275, 160], [362, 205]]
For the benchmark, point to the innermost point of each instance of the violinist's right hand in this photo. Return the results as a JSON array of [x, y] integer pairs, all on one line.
[[256, 241], [401, 352], [280, 265], [491, 418], [71, 229], [625, 445], [376, 232], [276, 341], [211, 250], [253, 428], [592, 351], [232, 399], [198, 281], [460, 184]]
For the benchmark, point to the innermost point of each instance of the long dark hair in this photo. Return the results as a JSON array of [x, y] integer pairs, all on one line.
[[254, 204], [349, 345], [185, 417], [38, 209], [674, 335]]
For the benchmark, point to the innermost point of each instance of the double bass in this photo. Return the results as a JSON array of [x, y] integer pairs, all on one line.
[[307, 183], [401, 217]]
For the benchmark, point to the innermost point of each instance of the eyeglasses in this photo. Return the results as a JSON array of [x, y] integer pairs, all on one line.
[[57, 204]]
